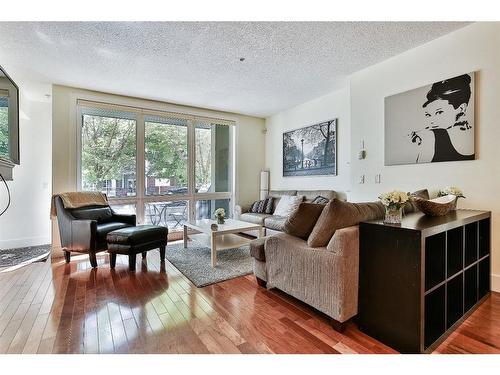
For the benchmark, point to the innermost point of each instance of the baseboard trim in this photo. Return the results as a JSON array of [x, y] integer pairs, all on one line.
[[495, 282], [24, 242]]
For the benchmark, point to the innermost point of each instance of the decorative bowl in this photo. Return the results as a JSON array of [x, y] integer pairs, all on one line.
[[437, 206]]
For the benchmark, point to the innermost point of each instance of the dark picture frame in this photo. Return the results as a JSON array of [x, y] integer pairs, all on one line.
[[7, 84], [311, 150]]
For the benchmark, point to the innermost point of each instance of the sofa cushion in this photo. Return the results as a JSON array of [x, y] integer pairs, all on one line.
[[254, 218], [100, 214], [280, 193], [105, 228], [275, 222], [301, 222], [309, 195], [338, 214], [257, 249]]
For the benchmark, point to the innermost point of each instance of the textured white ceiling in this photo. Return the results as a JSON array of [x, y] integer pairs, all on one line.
[[197, 63]]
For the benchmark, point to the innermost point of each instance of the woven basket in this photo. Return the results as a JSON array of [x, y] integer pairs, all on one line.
[[436, 207]]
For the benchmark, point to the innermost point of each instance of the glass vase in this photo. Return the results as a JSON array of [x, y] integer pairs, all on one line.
[[393, 215], [220, 220]]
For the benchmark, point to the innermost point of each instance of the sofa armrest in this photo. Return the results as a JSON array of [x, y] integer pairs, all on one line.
[[127, 219], [345, 242], [323, 277], [83, 235], [240, 209]]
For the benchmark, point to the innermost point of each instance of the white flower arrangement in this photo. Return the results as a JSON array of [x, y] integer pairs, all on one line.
[[451, 190], [396, 199], [220, 213]]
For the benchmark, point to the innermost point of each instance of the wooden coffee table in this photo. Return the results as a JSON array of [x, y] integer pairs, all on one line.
[[225, 237]]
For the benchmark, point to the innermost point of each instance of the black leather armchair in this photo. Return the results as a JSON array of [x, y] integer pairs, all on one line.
[[84, 229]]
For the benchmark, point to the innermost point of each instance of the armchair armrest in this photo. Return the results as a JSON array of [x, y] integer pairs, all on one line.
[[240, 209], [345, 242], [127, 219], [83, 235]]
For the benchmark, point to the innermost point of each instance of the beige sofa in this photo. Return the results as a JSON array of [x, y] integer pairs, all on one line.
[[319, 266], [274, 224]]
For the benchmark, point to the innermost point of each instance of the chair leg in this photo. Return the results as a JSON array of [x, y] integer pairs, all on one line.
[[112, 260], [144, 254], [93, 260], [67, 256], [131, 262], [162, 253]]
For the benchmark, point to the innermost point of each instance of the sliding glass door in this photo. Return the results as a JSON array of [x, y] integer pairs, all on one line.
[[167, 168], [213, 167], [166, 171]]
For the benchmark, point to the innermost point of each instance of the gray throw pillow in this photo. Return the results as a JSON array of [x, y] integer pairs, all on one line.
[[410, 206]]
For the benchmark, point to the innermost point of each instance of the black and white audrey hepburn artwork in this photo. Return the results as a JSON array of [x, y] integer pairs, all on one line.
[[432, 123]]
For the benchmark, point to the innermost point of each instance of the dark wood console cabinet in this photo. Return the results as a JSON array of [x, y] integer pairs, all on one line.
[[420, 279]]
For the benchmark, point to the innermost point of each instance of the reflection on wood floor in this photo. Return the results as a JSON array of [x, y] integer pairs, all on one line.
[[54, 307]]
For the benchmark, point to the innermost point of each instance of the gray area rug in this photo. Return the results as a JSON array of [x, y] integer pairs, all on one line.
[[194, 263], [15, 257]]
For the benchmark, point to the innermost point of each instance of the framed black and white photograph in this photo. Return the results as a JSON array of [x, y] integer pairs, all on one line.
[[311, 151], [433, 123]]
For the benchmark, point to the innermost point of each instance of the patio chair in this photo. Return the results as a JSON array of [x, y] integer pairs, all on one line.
[[177, 212]]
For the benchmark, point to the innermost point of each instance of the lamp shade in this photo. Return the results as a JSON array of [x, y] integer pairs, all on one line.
[[264, 180], [264, 184]]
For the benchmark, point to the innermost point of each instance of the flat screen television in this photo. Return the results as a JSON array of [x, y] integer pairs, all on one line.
[[9, 122]]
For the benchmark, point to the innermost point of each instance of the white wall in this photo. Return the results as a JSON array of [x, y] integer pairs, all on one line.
[[474, 48], [333, 105], [249, 140], [27, 222]]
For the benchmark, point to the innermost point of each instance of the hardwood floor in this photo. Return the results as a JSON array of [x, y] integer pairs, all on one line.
[[54, 307]]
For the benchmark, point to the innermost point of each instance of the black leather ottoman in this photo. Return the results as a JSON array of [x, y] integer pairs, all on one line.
[[134, 240]]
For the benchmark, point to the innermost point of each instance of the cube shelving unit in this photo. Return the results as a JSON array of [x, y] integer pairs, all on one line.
[[421, 279]]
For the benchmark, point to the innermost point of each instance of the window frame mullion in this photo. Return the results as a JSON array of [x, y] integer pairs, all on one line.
[[140, 167], [191, 169]]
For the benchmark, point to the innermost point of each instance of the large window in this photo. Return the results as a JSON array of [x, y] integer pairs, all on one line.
[[166, 154], [166, 167]]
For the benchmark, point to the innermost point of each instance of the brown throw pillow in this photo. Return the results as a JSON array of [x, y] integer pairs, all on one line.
[[338, 214], [301, 222]]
